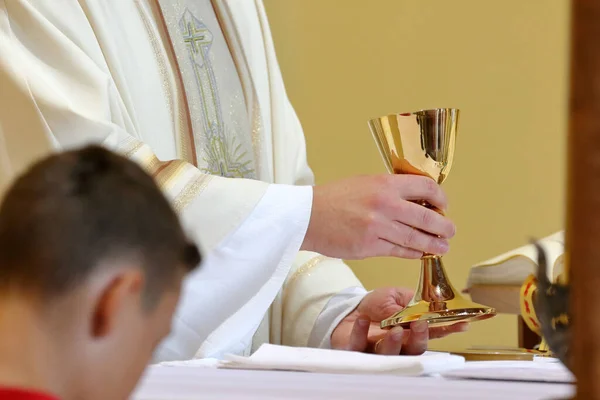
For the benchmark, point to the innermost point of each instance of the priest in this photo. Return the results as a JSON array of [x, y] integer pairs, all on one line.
[[191, 90]]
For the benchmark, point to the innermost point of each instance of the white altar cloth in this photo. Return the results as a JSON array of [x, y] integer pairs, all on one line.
[[198, 383]]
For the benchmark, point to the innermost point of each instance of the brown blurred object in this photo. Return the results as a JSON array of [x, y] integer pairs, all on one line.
[[583, 195]]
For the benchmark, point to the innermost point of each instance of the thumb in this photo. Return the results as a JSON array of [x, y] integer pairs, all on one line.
[[383, 302], [396, 301], [404, 296], [386, 310]]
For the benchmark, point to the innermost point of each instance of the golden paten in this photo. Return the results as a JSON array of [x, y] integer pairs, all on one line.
[[423, 143]]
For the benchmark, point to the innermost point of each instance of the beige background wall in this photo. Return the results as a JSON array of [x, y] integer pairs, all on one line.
[[503, 63]]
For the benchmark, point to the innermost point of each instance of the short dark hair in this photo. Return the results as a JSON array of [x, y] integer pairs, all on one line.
[[77, 211]]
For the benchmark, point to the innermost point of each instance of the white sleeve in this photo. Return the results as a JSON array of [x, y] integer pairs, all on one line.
[[240, 278], [336, 309]]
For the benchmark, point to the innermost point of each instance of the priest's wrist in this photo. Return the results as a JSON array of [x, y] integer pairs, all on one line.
[[313, 239]]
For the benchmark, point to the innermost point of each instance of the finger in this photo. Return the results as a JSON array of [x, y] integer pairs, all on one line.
[[391, 344], [384, 248], [417, 341], [416, 188], [411, 238], [437, 333], [424, 219], [358, 340]]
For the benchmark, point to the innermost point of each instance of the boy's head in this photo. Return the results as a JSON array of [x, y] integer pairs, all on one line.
[[88, 241]]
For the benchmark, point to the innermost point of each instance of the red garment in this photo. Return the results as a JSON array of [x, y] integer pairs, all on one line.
[[23, 394]]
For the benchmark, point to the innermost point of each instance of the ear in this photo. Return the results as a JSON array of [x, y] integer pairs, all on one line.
[[121, 291]]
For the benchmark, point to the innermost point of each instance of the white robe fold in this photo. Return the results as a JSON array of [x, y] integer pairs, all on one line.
[[101, 71]]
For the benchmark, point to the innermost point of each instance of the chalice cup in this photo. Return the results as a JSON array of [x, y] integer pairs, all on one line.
[[423, 143]]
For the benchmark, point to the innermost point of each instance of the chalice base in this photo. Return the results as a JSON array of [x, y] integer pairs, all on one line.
[[437, 301], [458, 310]]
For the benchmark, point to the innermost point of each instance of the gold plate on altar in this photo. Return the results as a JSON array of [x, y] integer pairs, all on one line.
[[500, 354]]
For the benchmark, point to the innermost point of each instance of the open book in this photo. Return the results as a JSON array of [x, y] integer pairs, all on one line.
[[496, 282]]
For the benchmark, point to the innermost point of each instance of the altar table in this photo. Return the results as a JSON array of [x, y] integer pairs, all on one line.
[[191, 383]]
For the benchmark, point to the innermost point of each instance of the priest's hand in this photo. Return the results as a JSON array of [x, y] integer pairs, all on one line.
[[360, 330], [375, 216]]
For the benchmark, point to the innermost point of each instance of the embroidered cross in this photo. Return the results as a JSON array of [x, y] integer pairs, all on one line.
[[195, 38]]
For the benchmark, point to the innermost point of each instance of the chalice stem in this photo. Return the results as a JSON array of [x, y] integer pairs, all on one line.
[[434, 286]]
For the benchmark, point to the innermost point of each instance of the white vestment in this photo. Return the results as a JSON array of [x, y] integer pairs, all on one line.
[[192, 91]]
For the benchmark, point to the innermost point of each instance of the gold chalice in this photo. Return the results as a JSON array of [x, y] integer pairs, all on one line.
[[423, 143]]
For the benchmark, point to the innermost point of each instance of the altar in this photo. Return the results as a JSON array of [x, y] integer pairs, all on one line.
[[193, 383]]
